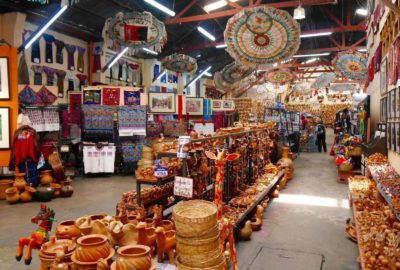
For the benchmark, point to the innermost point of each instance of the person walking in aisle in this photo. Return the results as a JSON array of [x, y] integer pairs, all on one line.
[[321, 136]]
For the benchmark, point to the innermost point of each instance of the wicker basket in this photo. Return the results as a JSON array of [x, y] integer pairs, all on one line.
[[355, 151], [219, 266], [4, 184], [195, 218], [346, 167]]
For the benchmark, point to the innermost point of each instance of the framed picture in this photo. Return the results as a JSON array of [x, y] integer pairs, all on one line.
[[382, 110], [4, 79], [389, 136], [111, 96], [393, 137], [194, 106], [384, 83], [387, 108], [91, 96], [5, 130], [228, 105], [216, 105], [162, 102], [397, 102], [393, 103], [132, 97], [398, 137]]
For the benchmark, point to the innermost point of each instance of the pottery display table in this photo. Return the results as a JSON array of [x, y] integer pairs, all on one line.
[[343, 176]]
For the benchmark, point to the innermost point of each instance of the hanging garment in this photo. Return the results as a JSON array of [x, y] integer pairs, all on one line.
[[64, 124], [37, 120], [49, 47], [127, 72], [82, 80], [76, 133], [99, 160], [111, 75], [29, 167], [51, 120], [29, 97], [37, 74], [71, 81], [23, 71], [59, 51], [71, 56], [47, 97], [50, 72], [156, 71], [134, 68], [60, 81], [140, 75], [23, 120], [164, 78], [97, 52], [81, 62], [218, 118], [35, 56], [378, 57], [25, 145], [75, 101], [121, 63], [132, 120]]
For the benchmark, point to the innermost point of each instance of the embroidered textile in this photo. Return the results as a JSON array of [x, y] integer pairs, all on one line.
[[59, 51], [49, 47], [132, 120], [111, 96], [71, 51], [81, 62], [92, 97], [131, 97], [46, 96], [29, 97], [98, 119]]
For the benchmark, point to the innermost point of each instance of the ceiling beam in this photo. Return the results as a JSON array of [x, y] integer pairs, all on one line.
[[184, 10], [235, 5], [333, 17], [361, 40], [228, 13], [332, 49]]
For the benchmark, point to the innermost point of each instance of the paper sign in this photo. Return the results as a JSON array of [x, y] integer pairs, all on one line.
[[183, 147], [161, 172], [183, 187]]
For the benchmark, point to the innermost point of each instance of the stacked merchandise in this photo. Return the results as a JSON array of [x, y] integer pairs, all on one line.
[[244, 107]]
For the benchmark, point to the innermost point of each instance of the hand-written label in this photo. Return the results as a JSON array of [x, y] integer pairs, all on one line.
[[183, 187]]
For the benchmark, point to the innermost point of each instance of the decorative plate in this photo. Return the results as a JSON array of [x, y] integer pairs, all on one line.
[[280, 76], [302, 88], [260, 36], [137, 30], [180, 63], [323, 80], [340, 87], [351, 64], [233, 72]]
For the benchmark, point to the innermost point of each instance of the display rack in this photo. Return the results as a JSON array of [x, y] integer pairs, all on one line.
[[359, 238]]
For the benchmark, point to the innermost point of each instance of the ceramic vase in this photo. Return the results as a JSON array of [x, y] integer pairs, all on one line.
[[57, 189], [4, 184], [46, 177], [92, 248], [20, 182], [44, 193], [12, 195], [67, 189], [26, 196], [136, 257], [286, 163]]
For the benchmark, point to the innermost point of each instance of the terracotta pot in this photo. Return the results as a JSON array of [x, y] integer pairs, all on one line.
[[67, 230], [52, 247], [12, 195], [44, 193], [20, 182], [67, 189], [57, 189], [92, 247], [46, 177], [150, 222], [26, 196], [168, 225], [79, 265], [136, 257], [132, 219], [286, 163], [4, 184]]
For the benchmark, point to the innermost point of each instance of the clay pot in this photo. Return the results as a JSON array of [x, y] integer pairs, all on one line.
[[150, 222], [132, 219], [286, 163], [57, 189], [67, 189], [46, 177], [20, 182], [67, 230], [44, 193], [167, 225], [12, 195], [52, 247], [4, 184], [26, 196], [92, 248], [133, 257]]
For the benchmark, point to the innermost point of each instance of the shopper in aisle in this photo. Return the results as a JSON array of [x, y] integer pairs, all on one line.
[[321, 135]]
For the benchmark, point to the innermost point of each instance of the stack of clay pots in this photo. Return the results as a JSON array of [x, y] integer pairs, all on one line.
[[50, 250], [20, 191], [197, 236], [146, 162]]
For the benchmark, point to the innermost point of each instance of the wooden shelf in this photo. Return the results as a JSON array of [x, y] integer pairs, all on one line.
[[158, 182]]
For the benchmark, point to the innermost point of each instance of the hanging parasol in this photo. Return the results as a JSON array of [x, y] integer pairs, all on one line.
[[220, 83], [137, 30], [233, 72], [302, 88], [180, 63], [323, 80], [340, 87], [262, 36], [351, 64], [276, 88], [280, 76]]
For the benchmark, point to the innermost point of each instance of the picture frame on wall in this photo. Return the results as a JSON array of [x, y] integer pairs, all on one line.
[[393, 103], [389, 136], [228, 105], [194, 106], [398, 137], [4, 79], [387, 108], [384, 82], [397, 103], [216, 105], [382, 110], [162, 102], [393, 137], [5, 128]]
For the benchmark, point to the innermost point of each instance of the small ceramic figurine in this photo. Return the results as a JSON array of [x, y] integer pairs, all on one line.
[[246, 231], [257, 221], [146, 236], [38, 237], [166, 243]]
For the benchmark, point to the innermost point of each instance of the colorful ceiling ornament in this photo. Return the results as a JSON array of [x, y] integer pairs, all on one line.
[[235, 72], [323, 80], [276, 88], [351, 64], [137, 30], [261, 36], [180, 63], [340, 87], [302, 88], [220, 83], [280, 76]]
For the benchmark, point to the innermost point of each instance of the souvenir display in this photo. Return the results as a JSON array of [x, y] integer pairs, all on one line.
[[352, 65], [384, 81], [340, 87], [261, 36], [180, 63], [280, 76]]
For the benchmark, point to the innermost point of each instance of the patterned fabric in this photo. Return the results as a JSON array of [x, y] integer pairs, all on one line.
[[174, 128], [59, 51], [111, 96], [35, 55], [81, 62], [49, 47], [92, 97], [98, 119], [71, 51], [46, 96], [60, 82], [51, 120], [28, 97], [37, 120], [50, 72], [131, 152], [75, 101], [154, 129], [23, 71], [37, 77], [82, 79], [131, 97], [132, 120], [97, 52]]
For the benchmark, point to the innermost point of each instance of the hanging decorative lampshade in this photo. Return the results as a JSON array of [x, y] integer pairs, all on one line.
[[180, 63], [323, 80], [233, 72], [280, 76], [302, 88], [352, 65]]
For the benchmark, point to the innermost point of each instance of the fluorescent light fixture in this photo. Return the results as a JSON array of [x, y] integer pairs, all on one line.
[[161, 74], [205, 33], [208, 74], [215, 5], [44, 28], [362, 50], [150, 51], [275, 65], [361, 11], [221, 46], [199, 76], [316, 35], [311, 55], [312, 60], [161, 7], [199, 55], [118, 57], [299, 13]]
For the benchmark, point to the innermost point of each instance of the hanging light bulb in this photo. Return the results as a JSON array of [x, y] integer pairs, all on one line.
[[299, 13]]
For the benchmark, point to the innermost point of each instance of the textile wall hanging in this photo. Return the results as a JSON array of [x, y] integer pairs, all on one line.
[[111, 96], [262, 36], [37, 74], [75, 101], [59, 51], [92, 96], [280, 76], [132, 97], [29, 97], [383, 77], [49, 47], [132, 120], [180, 63], [352, 65], [37, 120], [46, 96], [323, 80], [98, 119]]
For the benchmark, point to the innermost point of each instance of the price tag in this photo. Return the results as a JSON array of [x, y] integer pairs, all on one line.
[[183, 187], [64, 148], [160, 172]]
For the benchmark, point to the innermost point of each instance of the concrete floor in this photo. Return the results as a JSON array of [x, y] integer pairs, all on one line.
[[308, 217]]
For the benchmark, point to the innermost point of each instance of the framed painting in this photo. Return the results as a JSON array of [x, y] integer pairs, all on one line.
[[4, 79], [384, 82], [389, 136], [398, 137], [162, 102], [194, 106], [393, 103], [388, 107], [397, 103], [382, 109], [111, 96], [91, 96], [393, 137], [5, 129], [132, 97], [228, 105], [216, 105]]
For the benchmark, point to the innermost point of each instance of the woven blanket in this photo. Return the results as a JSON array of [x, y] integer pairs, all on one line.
[[132, 120], [98, 119]]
